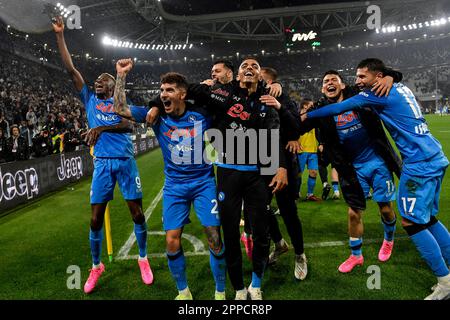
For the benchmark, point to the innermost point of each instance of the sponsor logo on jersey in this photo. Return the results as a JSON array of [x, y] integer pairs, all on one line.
[[237, 111], [346, 118], [221, 92], [103, 117], [105, 107], [175, 132]]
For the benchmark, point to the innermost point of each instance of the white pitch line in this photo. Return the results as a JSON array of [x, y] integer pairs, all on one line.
[[123, 252]]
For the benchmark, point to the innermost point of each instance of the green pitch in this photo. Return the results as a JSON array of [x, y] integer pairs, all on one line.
[[39, 242]]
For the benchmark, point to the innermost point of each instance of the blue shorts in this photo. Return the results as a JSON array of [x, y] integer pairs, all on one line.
[[418, 196], [109, 170], [375, 174], [308, 158], [177, 199]]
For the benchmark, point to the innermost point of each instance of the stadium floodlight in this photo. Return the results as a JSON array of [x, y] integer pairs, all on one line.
[[58, 4], [87, 55], [184, 46], [383, 30], [160, 59], [427, 23], [377, 31], [191, 45], [171, 47], [106, 41], [120, 43], [136, 45], [185, 59], [153, 47], [443, 21]]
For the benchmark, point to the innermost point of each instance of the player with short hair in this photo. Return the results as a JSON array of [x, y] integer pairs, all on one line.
[[424, 165], [179, 131], [240, 106], [113, 162]]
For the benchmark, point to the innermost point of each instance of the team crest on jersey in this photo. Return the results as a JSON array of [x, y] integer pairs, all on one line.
[[221, 196], [192, 118], [411, 186]]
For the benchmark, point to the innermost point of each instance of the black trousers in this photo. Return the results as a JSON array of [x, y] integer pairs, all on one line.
[[288, 209], [233, 186]]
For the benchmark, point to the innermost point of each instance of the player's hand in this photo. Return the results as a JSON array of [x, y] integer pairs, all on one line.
[[270, 101], [275, 89], [293, 147], [209, 82], [383, 86], [123, 66], [152, 115], [58, 24], [91, 136], [280, 180], [320, 147]]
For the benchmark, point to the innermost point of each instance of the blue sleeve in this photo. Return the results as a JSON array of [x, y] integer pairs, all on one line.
[[363, 99], [85, 95], [139, 113]]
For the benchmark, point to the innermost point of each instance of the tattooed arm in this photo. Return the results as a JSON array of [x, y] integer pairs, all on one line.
[[121, 107]]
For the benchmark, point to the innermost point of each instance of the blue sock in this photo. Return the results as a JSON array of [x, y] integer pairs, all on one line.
[[311, 184], [389, 229], [335, 185], [96, 237], [218, 268], [177, 267], [256, 281], [355, 246], [140, 231], [430, 252], [440, 233]]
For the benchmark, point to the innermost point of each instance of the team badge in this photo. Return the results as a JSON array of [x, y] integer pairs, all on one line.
[[221, 196], [192, 118]]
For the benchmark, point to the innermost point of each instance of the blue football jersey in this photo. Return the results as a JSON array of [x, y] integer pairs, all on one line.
[[181, 141], [354, 137], [101, 113], [402, 117]]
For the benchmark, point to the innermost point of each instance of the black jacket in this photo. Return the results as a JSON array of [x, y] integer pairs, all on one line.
[[333, 149], [234, 109], [22, 151], [3, 153]]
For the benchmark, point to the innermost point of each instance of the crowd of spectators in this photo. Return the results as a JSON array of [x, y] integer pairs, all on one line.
[[38, 101]]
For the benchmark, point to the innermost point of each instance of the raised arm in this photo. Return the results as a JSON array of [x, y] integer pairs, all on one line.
[[121, 107], [58, 27], [352, 103]]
